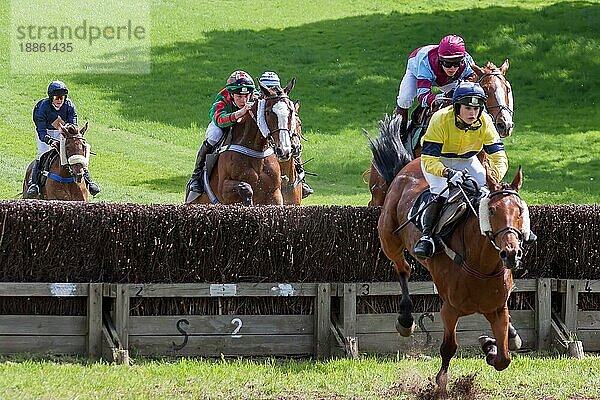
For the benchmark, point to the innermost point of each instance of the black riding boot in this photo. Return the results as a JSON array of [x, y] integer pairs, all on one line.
[[92, 186], [425, 247], [33, 189], [306, 190], [403, 113], [195, 183]]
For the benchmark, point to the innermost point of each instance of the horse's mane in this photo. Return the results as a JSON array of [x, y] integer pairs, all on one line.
[[491, 66], [71, 129], [389, 154]]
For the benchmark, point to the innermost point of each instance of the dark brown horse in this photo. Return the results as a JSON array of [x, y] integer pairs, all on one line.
[[499, 105], [291, 182], [490, 246], [64, 179], [247, 170]]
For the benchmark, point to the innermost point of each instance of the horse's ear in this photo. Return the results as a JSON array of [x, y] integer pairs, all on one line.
[[518, 181], [84, 129], [288, 88], [267, 92], [504, 66], [297, 106], [478, 70]]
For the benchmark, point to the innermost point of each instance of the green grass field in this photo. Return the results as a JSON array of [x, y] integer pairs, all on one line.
[[542, 377], [348, 57]]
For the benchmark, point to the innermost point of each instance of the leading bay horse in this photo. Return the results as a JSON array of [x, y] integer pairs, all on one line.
[[64, 178], [489, 245], [247, 171], [499, 105]]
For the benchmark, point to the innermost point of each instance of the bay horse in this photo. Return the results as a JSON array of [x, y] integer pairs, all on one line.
[[499, 105], [489, 245], [64, 178], [247, 170]]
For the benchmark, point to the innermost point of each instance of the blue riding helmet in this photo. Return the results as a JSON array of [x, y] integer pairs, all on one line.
[[270, 79], [57, 88], [469, 94]]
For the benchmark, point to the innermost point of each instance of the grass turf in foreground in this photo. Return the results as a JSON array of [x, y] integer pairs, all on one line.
[[527, 377]]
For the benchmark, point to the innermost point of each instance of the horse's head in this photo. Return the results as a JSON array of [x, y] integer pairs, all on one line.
[[499, 95], [504, 219], [279, 121], [74, 151]]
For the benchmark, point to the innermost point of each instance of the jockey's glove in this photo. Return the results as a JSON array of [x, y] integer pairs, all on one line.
[[454, 177]]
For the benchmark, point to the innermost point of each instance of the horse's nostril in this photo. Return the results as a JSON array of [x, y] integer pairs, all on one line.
[[501, 126], [503, 254], [519, 254]]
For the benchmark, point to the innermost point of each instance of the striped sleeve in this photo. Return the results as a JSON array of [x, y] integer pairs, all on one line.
[[220, 115], [494, 148], [425, 79]]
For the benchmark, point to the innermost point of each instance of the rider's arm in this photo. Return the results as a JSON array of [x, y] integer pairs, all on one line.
[[432, 144], [425, 79], [221, 115], [39, 119], [494, 148]]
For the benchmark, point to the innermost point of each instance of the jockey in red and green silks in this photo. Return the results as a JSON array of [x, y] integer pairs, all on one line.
[[230, 104]]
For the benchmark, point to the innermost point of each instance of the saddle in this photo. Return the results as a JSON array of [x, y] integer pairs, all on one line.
[[453, 212], [44, 165]]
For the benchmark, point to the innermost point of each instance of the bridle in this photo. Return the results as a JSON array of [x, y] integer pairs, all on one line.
[[493, 235], [256, 118], [500, 107]]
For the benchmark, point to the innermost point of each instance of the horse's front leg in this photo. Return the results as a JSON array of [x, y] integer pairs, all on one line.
[[496, 350], [233, 191], [448, 347]]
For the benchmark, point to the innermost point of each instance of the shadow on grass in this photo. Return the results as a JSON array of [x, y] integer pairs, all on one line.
[[348, 69]]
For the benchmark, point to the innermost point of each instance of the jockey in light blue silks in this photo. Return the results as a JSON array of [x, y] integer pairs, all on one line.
[[441, 65], [49, 115]]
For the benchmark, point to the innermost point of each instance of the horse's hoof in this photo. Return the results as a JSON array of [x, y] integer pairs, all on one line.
[[515, 343], [404, 331]]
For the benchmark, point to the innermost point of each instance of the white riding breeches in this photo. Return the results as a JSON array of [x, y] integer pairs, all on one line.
[[407, 90], [438, 183], [43, 147], [213, 133]]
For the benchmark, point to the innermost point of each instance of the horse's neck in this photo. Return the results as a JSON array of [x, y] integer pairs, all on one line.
[[59, 169], [247, 134], [476, 248]]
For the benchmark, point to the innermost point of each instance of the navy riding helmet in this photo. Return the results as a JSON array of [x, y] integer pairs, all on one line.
[[468, 94], [57, 88]]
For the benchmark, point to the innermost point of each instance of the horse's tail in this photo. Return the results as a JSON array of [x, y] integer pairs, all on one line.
[[389, 154]]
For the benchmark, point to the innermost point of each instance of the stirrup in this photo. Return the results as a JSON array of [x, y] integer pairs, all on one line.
[[421, 249]]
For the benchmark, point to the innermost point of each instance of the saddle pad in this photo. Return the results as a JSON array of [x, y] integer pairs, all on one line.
[[45, 163], [453, 211]]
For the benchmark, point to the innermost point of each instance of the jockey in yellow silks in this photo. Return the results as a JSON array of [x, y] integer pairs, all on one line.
[[456, 134]]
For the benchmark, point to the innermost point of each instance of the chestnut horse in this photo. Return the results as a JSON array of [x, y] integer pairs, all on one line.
[[489, 245], [499, 105], [247, 170], [291, 181], [64, 179]]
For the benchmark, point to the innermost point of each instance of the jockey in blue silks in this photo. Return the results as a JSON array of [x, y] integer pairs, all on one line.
[[49, 115]]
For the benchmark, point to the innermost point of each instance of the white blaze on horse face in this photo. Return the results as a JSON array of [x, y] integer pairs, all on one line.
[[283, 117], [501, 95]]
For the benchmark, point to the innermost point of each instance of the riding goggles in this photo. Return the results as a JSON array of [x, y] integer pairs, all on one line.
[[451, 64]]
